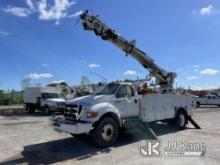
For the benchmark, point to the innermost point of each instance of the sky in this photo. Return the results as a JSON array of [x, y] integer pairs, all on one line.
[[44, 40]]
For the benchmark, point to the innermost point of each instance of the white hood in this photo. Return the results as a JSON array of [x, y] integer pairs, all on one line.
[[85, 100], [57, 99]]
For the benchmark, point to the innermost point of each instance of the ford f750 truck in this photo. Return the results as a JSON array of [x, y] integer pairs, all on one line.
[[102, 114]]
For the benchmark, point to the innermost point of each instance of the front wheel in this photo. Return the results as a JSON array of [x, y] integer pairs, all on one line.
[[106, 132], [47, 110]]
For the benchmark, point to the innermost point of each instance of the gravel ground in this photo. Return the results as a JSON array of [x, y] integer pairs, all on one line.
[[28, 139]]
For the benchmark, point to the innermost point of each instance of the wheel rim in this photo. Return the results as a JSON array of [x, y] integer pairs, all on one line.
[[108, 132], [181, 120]]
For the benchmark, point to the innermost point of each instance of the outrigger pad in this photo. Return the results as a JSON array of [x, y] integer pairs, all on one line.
[[194, 123]]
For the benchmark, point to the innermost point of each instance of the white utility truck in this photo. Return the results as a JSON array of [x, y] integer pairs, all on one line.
[[47, 99], [102, 114], [208, 99]]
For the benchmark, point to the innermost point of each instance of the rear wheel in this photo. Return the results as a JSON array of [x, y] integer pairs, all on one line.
[[197, 104], [106, 132], [181, 119], [30, 109]]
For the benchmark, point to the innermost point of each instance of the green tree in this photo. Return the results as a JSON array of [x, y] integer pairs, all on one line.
[[4, 100], [2, 95]]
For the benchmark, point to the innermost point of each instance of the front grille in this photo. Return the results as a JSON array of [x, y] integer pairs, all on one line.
[[72, 112], [61, 104]]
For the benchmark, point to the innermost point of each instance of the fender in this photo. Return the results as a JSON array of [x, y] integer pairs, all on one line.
[[103, 109]]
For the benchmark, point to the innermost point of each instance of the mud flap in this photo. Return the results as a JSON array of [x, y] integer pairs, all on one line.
[[193, 122]]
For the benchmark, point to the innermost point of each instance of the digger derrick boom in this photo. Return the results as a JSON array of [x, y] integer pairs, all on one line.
[[163, 78]]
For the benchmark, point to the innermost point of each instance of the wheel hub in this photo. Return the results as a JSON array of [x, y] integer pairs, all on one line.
[[107, 132], [181, 120]]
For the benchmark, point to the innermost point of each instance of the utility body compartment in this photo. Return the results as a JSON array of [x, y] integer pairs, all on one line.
[[155, 107]]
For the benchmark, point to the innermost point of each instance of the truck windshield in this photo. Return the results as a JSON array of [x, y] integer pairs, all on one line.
[[109, 89], [50, 95]]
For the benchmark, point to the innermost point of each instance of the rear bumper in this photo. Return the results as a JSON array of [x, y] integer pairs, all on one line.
[[62, 125]]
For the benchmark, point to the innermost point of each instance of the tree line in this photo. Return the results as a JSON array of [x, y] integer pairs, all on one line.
[[11, 97]]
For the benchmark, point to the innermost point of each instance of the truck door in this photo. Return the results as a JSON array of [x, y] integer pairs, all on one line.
[[216, 100], [210, 100], [126, 102], [42, 99]]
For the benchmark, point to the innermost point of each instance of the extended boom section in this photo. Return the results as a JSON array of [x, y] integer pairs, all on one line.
[[163, 78]]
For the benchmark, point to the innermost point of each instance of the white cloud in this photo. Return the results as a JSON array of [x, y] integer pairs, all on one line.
[[209, 72], [30, 4], [35, 76], [206, 10], [94, 65], [56, 12], [129, 73], [196, 66], [4, 33], [192, 78], [18, 11], [44, 9], [76, 14], [44, 65]]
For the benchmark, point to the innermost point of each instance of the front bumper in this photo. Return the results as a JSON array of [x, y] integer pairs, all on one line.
[[57, 109], [61, 125]]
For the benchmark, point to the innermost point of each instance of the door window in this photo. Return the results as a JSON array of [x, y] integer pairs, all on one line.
[[130, 91], [121, 92]]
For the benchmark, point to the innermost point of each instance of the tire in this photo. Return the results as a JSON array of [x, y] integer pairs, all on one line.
[[181, 119], [27, 108], [30, 109], [197, 104], [106, 132], [47, 110]]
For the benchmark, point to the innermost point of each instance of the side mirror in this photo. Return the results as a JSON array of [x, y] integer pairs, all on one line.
[[117, 95]]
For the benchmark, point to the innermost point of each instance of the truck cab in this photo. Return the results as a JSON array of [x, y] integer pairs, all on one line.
[[208, 99], [104, 109], [118, 98]]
